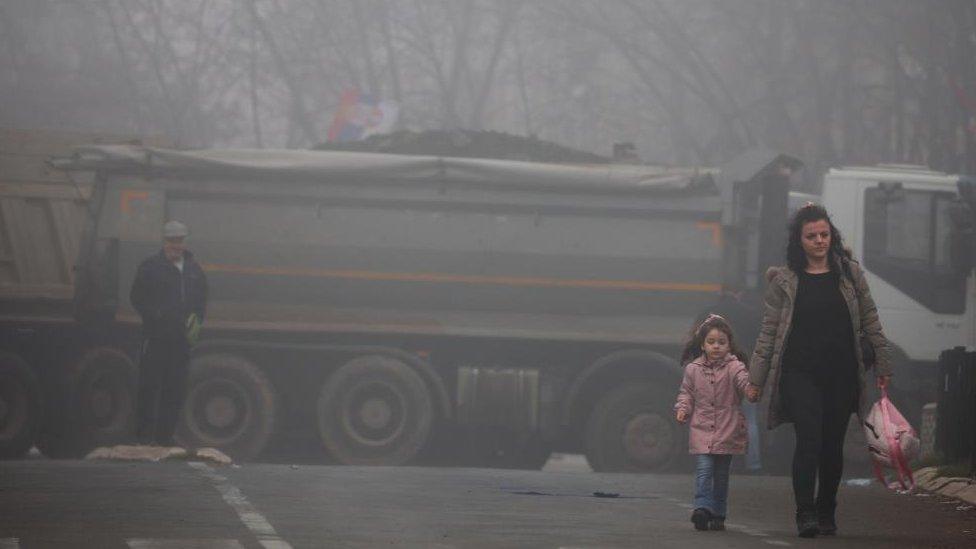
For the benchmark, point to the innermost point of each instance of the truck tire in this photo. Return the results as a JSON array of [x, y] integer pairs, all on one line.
[[631, 429], [98, 393], [20, 406], [374, 410], [230, 405]]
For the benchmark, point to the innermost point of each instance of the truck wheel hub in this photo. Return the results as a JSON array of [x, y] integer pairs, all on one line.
[[374, 414], [13, 409], [220, 411], [101, 398], [101, 404], [647, 438]]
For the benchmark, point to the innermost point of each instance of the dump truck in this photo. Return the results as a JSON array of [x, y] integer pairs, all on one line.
[[400, 309], [42, 213]]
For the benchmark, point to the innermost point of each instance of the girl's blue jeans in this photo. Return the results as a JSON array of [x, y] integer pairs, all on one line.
[[712, 482]]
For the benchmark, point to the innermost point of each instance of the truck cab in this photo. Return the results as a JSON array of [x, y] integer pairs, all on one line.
[[907, 226]]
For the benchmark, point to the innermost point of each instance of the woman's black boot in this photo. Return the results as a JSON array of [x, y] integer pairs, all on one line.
[[826, 525], [806, 524]]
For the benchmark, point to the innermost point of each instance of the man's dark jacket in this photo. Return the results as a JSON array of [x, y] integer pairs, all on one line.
[[165, 298]]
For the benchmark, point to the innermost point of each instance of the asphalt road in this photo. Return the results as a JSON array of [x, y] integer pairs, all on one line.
[[179, 505]]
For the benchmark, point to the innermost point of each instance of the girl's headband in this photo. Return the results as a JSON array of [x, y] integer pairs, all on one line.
[[709, 318]]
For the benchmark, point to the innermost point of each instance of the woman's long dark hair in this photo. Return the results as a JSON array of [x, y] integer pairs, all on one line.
[[693, 347], [796, 258]]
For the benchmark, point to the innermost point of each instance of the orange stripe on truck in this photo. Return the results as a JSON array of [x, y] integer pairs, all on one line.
[[465, 279], [127, 196]]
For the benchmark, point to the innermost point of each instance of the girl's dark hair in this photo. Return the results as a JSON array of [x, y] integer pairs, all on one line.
[[693, 347], [796, 258]]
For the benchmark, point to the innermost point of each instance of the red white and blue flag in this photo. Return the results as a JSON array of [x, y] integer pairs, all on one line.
[[361, 115]]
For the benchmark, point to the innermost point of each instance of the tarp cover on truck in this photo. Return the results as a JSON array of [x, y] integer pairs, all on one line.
[[468, 144], [330, 165]]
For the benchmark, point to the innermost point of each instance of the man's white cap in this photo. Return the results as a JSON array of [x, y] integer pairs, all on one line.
[[175, 229]]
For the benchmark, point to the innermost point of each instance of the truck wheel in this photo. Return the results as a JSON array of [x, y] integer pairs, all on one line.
[[631, 429], [230, 405], [20, 406], [374, 410], [99, 405]]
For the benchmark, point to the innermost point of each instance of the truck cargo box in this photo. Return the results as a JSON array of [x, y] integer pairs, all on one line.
[[42, 213], [360, 242]]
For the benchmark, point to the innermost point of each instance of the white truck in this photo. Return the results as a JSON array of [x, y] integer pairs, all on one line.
[[910, 228]]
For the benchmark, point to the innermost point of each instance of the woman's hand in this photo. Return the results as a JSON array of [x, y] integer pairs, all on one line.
[[681, 416], [753, 393]]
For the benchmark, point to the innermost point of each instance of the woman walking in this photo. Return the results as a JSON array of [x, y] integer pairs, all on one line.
[[817, 309]]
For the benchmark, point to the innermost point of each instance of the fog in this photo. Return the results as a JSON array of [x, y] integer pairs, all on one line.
[[689, 82], [664, 84]]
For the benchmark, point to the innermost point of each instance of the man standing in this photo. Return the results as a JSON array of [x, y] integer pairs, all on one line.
[[170, 294]]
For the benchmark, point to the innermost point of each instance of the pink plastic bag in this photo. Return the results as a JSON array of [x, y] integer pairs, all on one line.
[[892, 441]]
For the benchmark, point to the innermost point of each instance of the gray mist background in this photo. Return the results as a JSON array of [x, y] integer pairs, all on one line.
[[690, 82]]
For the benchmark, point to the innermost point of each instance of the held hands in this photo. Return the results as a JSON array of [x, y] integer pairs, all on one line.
[[681, 416], [753, 393], [884, 381]]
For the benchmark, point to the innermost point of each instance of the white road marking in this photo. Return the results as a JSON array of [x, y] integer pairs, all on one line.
[[184, 544], [778, 542], [746, 530], [249, 515], [273, 544], [9, 543]]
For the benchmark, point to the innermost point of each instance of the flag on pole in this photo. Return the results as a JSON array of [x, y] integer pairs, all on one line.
[[360, 115]]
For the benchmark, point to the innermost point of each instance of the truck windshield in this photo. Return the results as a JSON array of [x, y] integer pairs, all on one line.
[[907, 244]]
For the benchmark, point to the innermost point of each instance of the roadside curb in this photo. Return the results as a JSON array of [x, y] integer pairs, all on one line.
[[961, 488]]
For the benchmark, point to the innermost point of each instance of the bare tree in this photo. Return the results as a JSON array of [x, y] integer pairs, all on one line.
[[690, 81], [299, 116]]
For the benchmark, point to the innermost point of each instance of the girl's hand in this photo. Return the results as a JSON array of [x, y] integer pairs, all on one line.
[[681, 416], [753, 392], [884, 381]]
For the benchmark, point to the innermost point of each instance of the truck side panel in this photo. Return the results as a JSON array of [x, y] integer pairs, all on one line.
[[340, 256]]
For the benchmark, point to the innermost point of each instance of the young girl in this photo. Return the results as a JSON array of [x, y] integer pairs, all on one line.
[[714, 382]]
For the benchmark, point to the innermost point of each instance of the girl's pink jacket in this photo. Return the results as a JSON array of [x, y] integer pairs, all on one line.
[[711, 393]]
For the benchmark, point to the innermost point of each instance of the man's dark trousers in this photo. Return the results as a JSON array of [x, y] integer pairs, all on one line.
[[162, 386]]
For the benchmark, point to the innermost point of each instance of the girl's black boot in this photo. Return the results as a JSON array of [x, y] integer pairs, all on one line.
[[717, 522], [700, 518]]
